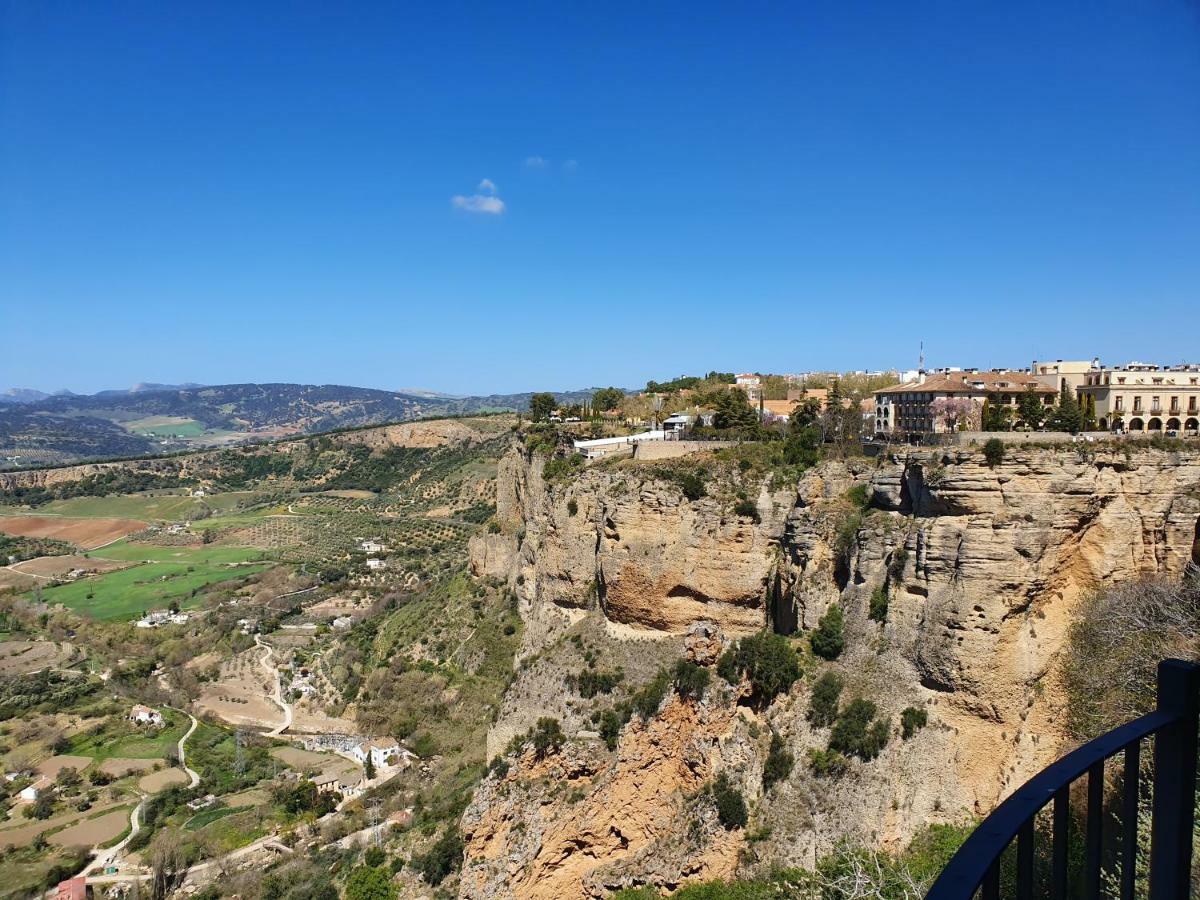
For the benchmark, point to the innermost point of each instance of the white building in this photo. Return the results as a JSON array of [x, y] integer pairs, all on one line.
[[601, 447], [383, 752], [30, 793], [376, 564], [144, 715], [372, 547]]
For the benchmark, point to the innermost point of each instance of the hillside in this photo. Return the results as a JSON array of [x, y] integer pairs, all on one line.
[[61, 429]]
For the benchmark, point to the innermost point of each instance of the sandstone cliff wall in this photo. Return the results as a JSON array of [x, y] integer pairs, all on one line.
[[982, 568]]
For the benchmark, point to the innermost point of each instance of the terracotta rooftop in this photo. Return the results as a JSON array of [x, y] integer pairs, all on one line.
[[971, 383]]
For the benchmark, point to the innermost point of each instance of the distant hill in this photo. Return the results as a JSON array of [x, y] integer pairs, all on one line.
[[37, 430]]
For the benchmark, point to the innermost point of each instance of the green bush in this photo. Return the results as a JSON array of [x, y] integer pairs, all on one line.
[[859, 496], [993, 451], [691, 483], [823, 704], [442, 858], [911, 720], [827, 763], [766, 659], [731, 806], [572, 507], [829, 640], [778, 764], [650, 696], [747, 510], [547, 735], [589, 682], [562, 466], [691, 680], [879, 604], [857, 732]]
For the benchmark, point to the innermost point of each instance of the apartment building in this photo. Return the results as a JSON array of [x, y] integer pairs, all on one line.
[[1069, 373], [1140, 397], [952, 399]]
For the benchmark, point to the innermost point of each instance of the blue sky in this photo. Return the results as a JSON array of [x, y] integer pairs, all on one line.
[[223, 192]]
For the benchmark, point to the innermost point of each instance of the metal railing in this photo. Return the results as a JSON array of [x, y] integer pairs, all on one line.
[[976, 865]]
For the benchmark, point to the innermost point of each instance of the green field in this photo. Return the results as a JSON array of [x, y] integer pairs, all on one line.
[[120, 739], [184, 556], [172, 507], [166, 426], [130, 592], [208, 816]]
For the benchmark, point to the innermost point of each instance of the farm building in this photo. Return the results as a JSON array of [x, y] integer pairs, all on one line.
[[31, 792], [144, 715], [383, 751]]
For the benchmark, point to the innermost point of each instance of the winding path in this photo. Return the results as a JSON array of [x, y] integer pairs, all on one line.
[[276, 690], [191, 773], [110, 854]]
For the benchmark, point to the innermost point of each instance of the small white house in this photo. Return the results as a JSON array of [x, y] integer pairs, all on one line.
[[198, 492], [376, 564], [372, 547], [383, 752], [144, 715], [31, 792]]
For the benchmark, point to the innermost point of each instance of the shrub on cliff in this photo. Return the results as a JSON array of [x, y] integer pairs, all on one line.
[[823, 704], [691, 680], [650, 696], [766, 659], [857, 732], [747, 510], [441, 859], [731, 806], [912, 720], [778, 764], [547, 735], [879, 604], [993, 451], [829, 640], [827, 763]]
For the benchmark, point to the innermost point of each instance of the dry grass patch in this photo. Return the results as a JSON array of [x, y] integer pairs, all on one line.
[[27, 657], [101, 830], [119, 767], [55, 764], [157, 781]]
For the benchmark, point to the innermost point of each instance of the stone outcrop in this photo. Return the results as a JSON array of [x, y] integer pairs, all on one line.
[[981, 568]]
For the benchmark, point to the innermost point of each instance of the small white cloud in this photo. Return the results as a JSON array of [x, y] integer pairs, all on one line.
[[487, 186], [570, 165], [536, 162], [478, 203]]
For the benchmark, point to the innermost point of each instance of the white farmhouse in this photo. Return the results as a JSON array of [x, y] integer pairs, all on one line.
[[144, 715], [376, 564], [30, 792], [383, 752], [372, 547]]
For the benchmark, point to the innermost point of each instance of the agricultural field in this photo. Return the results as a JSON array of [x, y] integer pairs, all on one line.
[[118, 741], [242, 694], [88, 533], [204, 555], [57, 566], [130, 592], [27, 657], [166, 426]]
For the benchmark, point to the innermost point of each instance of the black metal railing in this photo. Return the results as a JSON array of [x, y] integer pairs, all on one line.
[[976, 865]]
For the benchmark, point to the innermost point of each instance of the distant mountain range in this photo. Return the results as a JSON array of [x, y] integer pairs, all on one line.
[[38, 428]]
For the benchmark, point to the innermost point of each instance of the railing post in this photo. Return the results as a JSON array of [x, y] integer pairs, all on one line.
[[1174, 781]]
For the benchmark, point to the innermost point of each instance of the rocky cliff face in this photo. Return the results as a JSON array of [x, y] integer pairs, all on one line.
[[981, 568]]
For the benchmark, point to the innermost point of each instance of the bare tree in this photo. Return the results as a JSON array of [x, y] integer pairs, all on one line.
[[168, 862], [1115, 644]]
